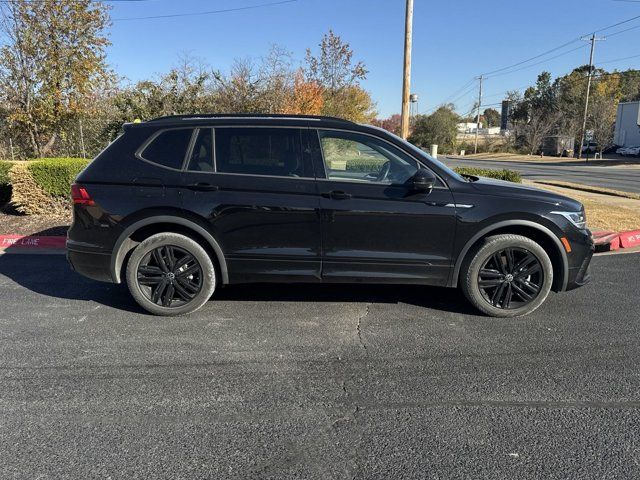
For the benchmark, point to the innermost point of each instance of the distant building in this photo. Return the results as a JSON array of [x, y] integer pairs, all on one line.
[[627, 132], [468, 127], [490, 131]]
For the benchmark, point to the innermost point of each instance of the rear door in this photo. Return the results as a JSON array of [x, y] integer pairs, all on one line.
[[375, 226], [256, 189]]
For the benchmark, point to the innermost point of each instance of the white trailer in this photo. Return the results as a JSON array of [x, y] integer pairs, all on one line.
[[627, 132]]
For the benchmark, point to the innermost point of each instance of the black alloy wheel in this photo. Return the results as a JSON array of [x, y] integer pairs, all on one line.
[[511, 278], [170, 276]]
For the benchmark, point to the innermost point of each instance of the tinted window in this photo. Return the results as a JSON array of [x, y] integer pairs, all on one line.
[[363, 158], [169, 148], [260, 151], [202, 154]]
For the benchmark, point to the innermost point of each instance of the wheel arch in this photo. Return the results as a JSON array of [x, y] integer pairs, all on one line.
[[164, 223], [526, 228]]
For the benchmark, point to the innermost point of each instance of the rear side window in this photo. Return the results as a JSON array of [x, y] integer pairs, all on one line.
[[260, 151], [169, 148]]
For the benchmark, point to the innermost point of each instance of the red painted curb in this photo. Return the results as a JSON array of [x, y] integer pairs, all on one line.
[[630, 239], [32, 242]]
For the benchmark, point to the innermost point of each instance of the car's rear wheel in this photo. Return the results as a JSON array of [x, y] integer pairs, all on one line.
[[170, 274], [507, 276]]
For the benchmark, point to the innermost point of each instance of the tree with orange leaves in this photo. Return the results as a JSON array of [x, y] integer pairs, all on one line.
[[306, 98]]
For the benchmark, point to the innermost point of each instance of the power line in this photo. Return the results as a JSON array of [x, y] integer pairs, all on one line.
[[616, 24], [508, 69], [618, 59], [467, 92], [622, 31], [532, 58], [210, 12], [459, 90], [560, 47], [538, 63]]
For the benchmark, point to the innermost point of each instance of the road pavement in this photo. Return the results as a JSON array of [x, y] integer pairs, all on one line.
[[335, 381], [621, 178]]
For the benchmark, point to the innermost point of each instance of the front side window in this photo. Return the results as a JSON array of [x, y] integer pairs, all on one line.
[[169, 148], [363, 158], [260, 151]]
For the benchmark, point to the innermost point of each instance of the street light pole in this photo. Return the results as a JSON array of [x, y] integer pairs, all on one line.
[[406, 82]]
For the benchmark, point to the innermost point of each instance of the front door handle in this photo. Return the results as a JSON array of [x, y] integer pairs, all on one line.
[[203, 187], [336, 195]]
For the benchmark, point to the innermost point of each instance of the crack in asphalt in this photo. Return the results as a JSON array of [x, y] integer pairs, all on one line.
[[359, 326]]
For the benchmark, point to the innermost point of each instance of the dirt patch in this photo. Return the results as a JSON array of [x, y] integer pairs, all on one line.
[[33, 224]]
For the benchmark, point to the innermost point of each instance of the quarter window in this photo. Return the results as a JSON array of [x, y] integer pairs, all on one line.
[[363, 158], [260, 151], [169, 148]]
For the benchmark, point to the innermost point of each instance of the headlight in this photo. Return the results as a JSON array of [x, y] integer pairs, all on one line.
[[579, 219]]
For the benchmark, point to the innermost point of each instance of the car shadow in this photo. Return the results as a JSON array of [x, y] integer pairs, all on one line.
[[50, 275]]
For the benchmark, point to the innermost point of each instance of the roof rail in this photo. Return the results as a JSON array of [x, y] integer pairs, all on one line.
[[246, 115]]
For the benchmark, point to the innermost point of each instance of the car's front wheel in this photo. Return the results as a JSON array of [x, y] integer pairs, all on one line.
[[170, 274], [507, 276]]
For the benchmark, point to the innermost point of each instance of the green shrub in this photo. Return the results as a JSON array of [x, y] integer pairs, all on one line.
[[55, 175], [365, 165], [508, 175], [5, 183], [4, 172]]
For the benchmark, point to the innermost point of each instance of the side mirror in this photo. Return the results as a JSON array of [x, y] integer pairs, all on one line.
[[423, 180]]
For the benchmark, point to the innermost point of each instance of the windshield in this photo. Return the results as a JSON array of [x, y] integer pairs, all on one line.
[[425, 156]]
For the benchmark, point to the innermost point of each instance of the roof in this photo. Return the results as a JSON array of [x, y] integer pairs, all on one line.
[[238, 117]]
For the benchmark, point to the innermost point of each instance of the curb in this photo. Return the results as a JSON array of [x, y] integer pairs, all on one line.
[[32, 244], [607, 241]]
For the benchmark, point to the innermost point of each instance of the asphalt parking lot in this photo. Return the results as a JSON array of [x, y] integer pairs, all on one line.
[[316, 382]]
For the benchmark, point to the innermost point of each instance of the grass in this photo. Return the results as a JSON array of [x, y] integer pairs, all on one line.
[[604, 211], [591, 189]]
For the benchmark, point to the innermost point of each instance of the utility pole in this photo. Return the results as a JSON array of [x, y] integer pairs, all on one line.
[[593, 41], [406, 83], [475, 149]]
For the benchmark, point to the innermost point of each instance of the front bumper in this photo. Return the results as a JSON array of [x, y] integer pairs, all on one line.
[[582, 249]]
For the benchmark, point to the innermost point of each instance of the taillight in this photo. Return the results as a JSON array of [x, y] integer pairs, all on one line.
[[80, 196]]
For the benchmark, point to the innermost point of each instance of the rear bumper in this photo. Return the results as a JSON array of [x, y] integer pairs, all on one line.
[[90, 263]]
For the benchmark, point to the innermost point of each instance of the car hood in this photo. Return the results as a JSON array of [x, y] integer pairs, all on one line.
[[501, 188]]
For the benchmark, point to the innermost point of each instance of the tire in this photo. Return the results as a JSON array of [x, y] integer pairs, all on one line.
[[178, 266], [490, 267]]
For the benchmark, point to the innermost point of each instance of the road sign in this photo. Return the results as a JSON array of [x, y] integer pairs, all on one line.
[[588, 136]]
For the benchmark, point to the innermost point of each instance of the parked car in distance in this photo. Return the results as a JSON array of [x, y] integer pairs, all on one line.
[[179, 206], [629, 151]]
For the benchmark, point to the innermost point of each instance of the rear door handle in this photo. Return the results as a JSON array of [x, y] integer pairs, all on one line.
[[203, 187], [336, 195]]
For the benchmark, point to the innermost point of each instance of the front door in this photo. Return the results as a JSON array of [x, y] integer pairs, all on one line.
[[256, 190], [375, 226]]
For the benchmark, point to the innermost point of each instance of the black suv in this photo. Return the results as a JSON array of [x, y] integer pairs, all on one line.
[[180, 205]]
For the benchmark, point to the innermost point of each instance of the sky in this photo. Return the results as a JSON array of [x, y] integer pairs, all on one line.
[[454, 41]]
